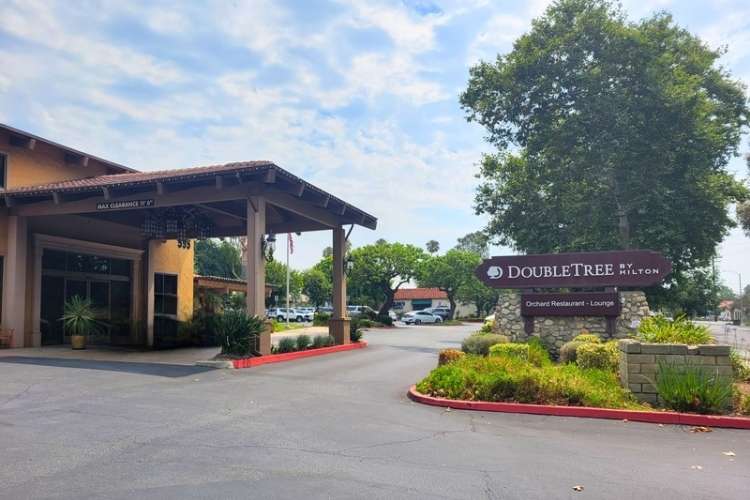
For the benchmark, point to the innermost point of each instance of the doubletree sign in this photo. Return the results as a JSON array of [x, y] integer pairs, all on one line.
[[582, 269]]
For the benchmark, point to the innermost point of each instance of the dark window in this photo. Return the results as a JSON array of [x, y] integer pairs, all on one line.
[[53, 259], [120, 267], [3, 169], [165, 294]]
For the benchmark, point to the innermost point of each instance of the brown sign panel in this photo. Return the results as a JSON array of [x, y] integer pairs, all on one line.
[[570, 304], [582, 269]]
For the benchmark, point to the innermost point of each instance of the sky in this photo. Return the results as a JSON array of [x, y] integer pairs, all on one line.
[[359, 97]]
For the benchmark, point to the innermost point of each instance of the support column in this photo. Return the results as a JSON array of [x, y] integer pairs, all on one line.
[[256, 268], [338, 326], [150, 290], [36, 306], [14, 288]]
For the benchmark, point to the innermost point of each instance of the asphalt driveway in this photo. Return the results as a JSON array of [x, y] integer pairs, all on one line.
[[337, 426]]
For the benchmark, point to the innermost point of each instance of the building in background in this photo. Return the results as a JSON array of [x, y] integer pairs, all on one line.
[[417, 299]]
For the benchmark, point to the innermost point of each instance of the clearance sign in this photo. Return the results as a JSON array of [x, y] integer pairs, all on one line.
[[582, 269]]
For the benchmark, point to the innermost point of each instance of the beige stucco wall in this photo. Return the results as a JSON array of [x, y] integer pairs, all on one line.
[[170, 259], [42, 165]]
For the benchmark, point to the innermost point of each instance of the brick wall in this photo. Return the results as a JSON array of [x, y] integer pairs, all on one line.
[[639, 363]]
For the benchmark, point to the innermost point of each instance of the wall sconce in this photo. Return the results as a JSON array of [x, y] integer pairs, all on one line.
[[267, 246]]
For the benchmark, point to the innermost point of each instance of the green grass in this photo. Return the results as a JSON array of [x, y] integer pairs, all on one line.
[[660, 330], [281, 326], [509, 379]]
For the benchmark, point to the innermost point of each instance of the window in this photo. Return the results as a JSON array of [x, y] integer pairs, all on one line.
[[165, 294], [3, 169]]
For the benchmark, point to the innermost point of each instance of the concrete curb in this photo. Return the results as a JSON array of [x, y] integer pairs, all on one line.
[[654, 417], [290, 356], [215, 364]]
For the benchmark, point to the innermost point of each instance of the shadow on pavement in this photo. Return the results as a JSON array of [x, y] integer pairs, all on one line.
[[155, 369]]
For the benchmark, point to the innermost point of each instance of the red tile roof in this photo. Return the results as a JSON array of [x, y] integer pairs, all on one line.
[[419, 293], [135, 178]]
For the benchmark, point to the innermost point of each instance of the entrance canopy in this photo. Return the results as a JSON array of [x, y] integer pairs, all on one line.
[[217, 195]]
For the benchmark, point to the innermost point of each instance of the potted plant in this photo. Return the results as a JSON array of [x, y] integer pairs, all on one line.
[[79, 319]]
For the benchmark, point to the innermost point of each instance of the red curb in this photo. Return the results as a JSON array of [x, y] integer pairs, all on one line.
[[291, 356], [654, 417]]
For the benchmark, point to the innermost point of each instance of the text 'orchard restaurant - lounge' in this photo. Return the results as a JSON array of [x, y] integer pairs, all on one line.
[[74, 224]]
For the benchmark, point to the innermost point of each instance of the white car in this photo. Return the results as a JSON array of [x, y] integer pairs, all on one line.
[[282, 313], [419, 317]]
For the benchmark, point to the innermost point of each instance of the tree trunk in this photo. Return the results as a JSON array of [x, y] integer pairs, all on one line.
[[452, 301], [387, 304], [624, 226]]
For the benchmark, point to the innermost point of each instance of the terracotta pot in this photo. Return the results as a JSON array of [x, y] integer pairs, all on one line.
[[78, 341]]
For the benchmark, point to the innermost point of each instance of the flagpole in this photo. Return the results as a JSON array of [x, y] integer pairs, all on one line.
[[288, 245]]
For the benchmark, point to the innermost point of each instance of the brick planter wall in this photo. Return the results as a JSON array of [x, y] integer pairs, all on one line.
[[639, 363]]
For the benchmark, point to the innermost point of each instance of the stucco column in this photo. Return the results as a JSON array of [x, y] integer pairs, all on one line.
[[256, 267], [14, 287], [339, 323], [150, 290], [36, 306]]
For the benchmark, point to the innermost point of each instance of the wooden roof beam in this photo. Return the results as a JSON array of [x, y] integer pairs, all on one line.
[[76, 159], [20, 141]]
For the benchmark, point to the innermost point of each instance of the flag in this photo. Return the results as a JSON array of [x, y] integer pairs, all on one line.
[[290, 242]]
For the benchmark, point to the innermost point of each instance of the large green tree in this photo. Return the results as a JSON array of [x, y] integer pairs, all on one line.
[[743, 216], [610, 134], [218, 258], [379, 270], [276, 276], [483, 297], [477, 242], [316, 284], [450, 273]]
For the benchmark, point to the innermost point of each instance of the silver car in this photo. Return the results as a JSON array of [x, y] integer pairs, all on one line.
[[419, 317]]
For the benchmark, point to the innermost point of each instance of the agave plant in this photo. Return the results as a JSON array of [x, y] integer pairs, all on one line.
[[79, 316]]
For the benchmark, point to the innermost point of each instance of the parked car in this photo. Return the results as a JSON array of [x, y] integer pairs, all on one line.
[[325, 309], [358, 310], [282, 313], [442, 311], [418, 317]]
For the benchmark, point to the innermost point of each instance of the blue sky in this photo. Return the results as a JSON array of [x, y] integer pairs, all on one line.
[[359, 97]]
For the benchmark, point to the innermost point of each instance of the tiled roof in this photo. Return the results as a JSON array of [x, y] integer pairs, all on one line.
[[419, 293], [135, 178]]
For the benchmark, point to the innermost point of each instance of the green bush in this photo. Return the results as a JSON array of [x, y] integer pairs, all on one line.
[[503, 378], [587, 337], [238, 333], [321, 319], [689, 388], [743, 408], [660, 330], [355, 335], [511, 349], [287, 344], [449, 356], [481, 343], [538, 354], [384, 319], [487, 327], [322, 341], [601, 356], [740, 370], [303, 342], [366, 323], [569, 351]]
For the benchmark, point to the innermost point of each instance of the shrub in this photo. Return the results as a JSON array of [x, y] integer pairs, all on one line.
[[384, 319], [569, 351], [601, 356], [660, 330], [744, 406], [355, 329], [740, 370], [355, 335], [321, 319], [303, 342], [503, 378], [238, 333], [689, 388], [511, 349], [587, 337], [538, 354], [287, 344], [366, 323], [322, 341], [487, 327], [480, 344], [449, 356]]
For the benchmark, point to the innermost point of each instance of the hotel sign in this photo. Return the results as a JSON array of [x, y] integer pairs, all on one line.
[[125, 204], [570, 304], [582, 269]]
